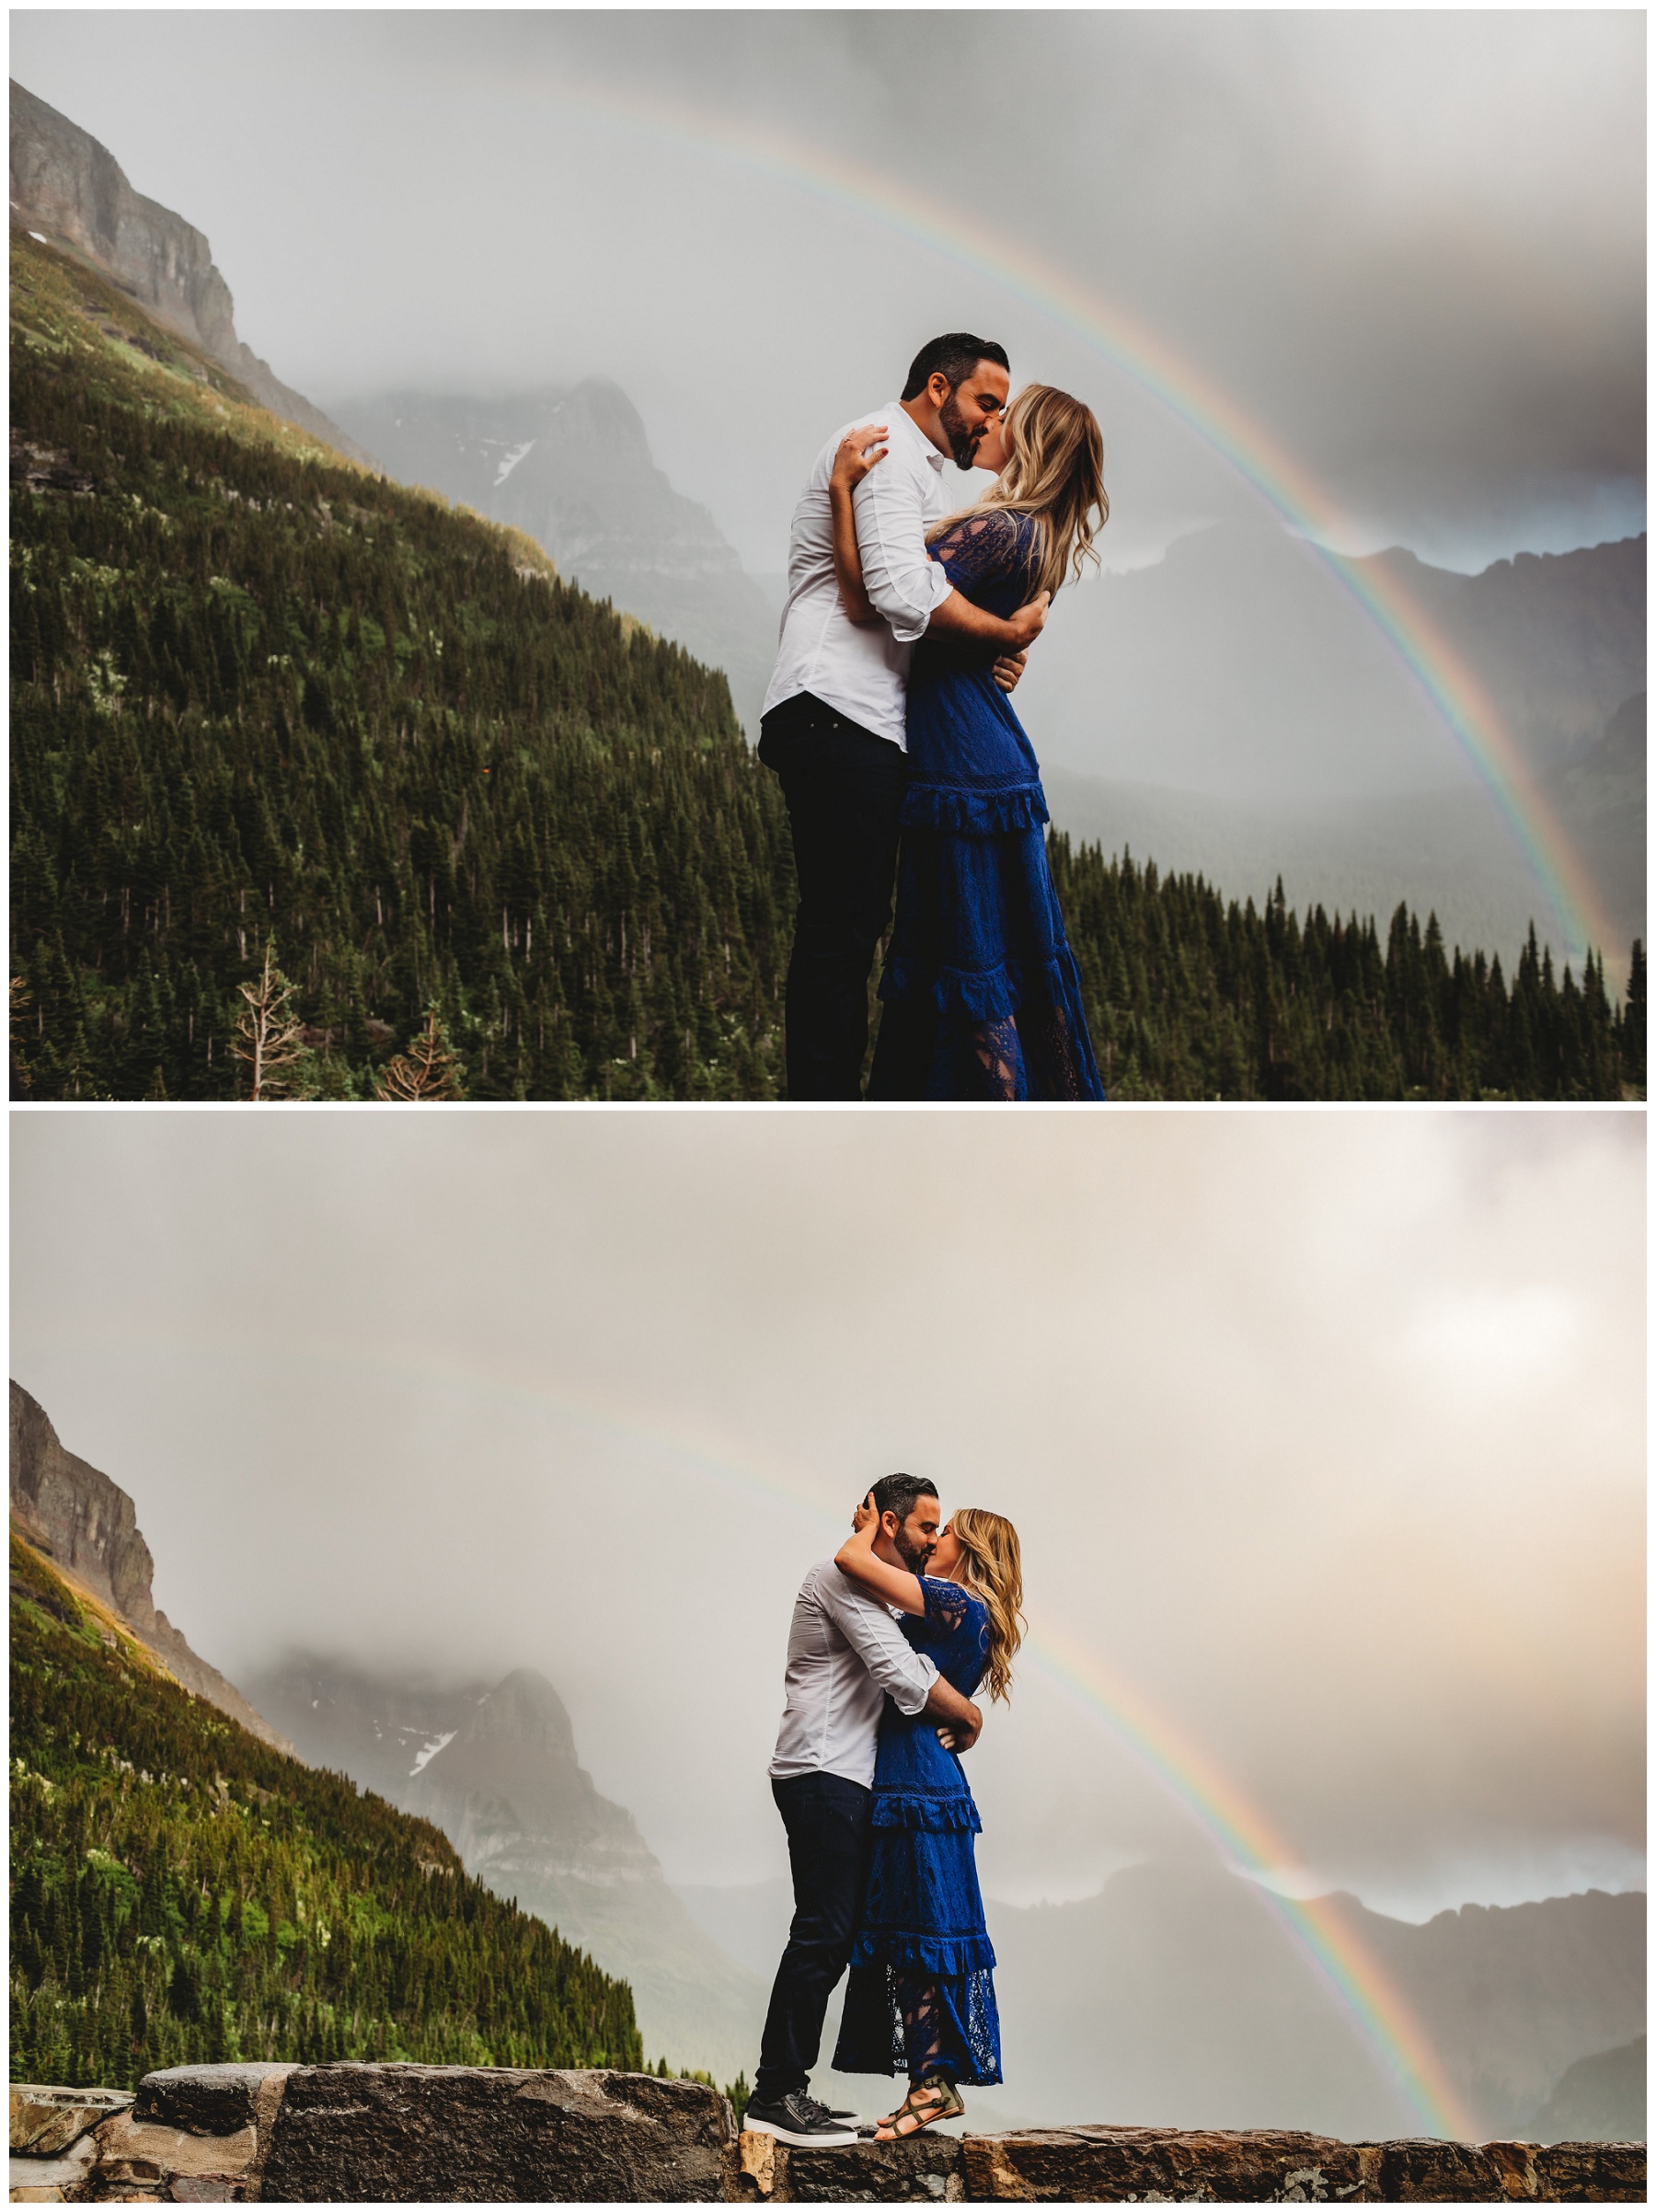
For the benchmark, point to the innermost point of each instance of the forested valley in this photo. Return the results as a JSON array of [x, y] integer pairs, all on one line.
[[324, 788]]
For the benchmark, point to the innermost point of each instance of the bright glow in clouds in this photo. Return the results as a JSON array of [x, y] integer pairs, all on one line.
[[1498, 1336]]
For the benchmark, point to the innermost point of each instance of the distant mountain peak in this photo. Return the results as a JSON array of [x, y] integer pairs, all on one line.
[[570, 465], [497, 1769]]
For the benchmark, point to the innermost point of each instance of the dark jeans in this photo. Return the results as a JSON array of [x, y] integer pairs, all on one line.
[[843, 786], [827, 1822]]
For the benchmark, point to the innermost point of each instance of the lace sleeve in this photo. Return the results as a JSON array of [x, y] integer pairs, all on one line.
[[979, 548], [946, 1603]]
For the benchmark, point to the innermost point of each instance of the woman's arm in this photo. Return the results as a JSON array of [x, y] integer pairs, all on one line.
[[855, 1560], [859, 452]]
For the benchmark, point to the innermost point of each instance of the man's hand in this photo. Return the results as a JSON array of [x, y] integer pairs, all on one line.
[[959, 1715], [1028, 622], [1008, 670], [961, 1736]]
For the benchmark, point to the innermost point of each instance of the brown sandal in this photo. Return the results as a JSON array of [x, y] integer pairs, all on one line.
[[935, 2098]]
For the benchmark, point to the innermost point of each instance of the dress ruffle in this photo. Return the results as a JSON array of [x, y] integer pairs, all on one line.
[[974, 809], [985, 994], [930, 1815], [946, 1956]]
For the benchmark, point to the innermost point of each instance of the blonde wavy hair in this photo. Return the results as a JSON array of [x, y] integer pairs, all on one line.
[[1055, 472], [992, 1569]]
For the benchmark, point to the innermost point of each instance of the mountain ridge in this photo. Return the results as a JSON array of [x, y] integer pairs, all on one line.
[[67, 181], [1174, 1996], [87, 1527]]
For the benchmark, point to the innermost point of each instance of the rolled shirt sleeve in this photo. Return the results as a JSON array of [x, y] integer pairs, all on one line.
[[904, 585], [905, 1675]]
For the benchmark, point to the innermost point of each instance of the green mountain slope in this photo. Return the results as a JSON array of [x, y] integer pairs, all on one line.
[[182, 1894], [258, 691]]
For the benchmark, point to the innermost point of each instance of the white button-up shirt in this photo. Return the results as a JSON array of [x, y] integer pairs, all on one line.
[[846, 1657], [863, 671]]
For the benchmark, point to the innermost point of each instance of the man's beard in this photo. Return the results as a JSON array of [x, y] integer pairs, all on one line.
[[914, 1555], [962, 443]]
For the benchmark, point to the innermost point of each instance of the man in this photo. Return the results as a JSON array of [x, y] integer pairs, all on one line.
[[846, 1657], [833, 722]]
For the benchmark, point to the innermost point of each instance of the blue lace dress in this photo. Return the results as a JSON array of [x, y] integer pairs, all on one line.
[[920, 1995], [981, 999]]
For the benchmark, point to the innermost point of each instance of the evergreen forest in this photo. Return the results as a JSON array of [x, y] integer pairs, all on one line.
[[182, 1894], [324, 788]]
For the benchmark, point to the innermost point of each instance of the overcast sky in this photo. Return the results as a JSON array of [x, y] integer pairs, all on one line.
[[1324, 1433], [1409, 244]]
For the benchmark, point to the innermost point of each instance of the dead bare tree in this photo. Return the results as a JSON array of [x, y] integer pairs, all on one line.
[[268, 1038], [428, 1070], [22, 1074]]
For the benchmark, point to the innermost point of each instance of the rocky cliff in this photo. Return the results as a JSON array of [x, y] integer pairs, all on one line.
[[88, 1527], [68, 188], [572, 467], [497, 1769]]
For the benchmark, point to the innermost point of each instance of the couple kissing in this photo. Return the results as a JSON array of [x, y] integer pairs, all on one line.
[[889, 715], [890, 1640]]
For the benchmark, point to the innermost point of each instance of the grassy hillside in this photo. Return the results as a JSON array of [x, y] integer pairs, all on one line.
[[268, 706], [257, 692], [181, 1894]]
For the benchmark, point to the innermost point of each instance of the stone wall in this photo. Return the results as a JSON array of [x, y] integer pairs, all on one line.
[[355, 2134]]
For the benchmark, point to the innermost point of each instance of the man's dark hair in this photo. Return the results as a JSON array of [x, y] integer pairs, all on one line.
[[954, 356], [896, 1493]]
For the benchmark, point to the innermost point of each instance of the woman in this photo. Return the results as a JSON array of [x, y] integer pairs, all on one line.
[[920, 1993], [982, 995]]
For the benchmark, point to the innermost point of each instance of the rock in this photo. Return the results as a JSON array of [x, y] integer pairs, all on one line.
[[63, 2180], [400, 2134], [167, 2163], [927, 2169], [1120, 2165], [1166, 2165], [1599, 2173], [72, 190], [44, 2122], [87, 1527], [206, 2099]]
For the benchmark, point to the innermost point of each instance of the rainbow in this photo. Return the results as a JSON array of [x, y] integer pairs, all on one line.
[[1238, 1831], [1451, 688], [1338, 1956]]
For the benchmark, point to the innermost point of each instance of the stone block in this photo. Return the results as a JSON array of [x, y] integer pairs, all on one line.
[[1591, 2174], [927, 2169], [169, 2164], [1147, 2165], [64, 2180], [44, 2122], [407, 2134], [1423, 2170], [205, 2100]]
